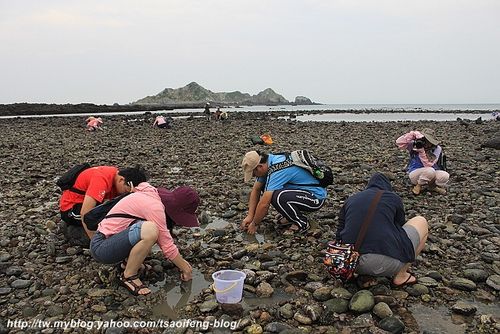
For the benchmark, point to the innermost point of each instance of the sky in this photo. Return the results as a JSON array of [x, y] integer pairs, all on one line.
[[331, 51]]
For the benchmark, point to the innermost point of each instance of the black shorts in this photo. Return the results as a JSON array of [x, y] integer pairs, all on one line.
[[72, 216]]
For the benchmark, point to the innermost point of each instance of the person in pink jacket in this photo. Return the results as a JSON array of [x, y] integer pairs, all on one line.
[[137, 222], [426, 167], [93, 123]]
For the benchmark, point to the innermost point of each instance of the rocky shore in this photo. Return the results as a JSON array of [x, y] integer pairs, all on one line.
[[287, 290]]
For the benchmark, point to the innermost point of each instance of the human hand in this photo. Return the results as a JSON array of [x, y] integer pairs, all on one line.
[[245, 223], [186, 272]]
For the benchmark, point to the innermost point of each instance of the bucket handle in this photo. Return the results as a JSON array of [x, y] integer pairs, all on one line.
[[225, 290]]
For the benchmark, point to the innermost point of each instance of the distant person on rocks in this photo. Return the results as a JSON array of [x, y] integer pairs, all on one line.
[[93, 123], [223, 116], [495, 116], [217, 114], [391, 244], [425, 168], [92, 187], [161, 122], [291, 191], [207, 112], [130, 240]]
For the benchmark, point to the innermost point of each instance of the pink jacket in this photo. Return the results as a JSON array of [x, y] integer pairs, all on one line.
[[405, 142], [145, 203]]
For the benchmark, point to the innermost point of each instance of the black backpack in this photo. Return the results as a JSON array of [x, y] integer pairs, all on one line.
[[305, 159], [98, 213], [68, 179]]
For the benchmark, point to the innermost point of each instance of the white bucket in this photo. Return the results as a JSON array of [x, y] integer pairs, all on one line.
[[228, 286]]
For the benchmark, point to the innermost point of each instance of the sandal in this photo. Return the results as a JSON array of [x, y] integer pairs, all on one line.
[[128, 282], [408, 281], [282, 222]]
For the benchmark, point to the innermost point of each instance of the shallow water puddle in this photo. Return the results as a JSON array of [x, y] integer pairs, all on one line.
[[179, 294], [440, 320], [277, 297]]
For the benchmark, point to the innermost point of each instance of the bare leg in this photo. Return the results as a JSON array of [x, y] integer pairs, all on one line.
[[149, 235], [422, 227]]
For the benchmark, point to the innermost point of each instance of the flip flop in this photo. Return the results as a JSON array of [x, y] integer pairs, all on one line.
[[406, 282]]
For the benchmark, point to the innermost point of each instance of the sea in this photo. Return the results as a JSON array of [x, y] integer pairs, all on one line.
[[343, 112]]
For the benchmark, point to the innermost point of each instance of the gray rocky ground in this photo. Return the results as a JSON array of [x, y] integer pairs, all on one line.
[[43, 277]]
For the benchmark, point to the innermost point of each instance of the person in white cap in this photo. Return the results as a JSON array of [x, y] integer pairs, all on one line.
[[291, 191], [425, 168]]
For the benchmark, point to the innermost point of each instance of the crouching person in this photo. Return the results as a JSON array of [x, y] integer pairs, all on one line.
[[391, 243], [136, 223]]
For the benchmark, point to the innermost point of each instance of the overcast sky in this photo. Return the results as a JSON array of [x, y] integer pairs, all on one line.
[[332, 51]]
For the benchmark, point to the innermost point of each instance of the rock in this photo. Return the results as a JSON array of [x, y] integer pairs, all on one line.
[[494, 282], [362, 301], [464, 308], [99, 292], [264, 290], [5, 291], [428, 282], [322, 294], [476, 275], [301, 318], [229, 214], [276, 327], [337, 305], [382, 310], [463, 284], [286, 311], [54, 310], [99, 308], [20, 283], [208, 306], [392, 325], [254, 329], [417, 290], [233, 309], [14, 271], [363, 321], [492, 143], [341, 293]]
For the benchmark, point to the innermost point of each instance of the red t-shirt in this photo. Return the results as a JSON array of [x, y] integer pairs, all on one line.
[[97, 182]]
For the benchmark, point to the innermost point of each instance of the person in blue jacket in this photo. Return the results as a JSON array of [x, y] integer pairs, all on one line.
[[291, 191], [391, 243]]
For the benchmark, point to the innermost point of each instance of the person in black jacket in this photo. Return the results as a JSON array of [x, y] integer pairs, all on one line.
[[391, 244]]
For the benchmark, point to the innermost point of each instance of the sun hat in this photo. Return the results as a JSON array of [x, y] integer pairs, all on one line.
[[429, 135], [250, 161], [180, 205]]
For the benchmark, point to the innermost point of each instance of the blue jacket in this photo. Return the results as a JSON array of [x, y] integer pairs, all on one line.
[[385, 234]]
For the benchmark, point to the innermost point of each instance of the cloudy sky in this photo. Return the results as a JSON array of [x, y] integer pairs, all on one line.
[[332, 51]]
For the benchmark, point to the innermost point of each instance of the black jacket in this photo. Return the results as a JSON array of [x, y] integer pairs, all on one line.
[[385, 234]]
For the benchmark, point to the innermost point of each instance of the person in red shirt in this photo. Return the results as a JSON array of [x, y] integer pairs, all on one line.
[[92, 187]]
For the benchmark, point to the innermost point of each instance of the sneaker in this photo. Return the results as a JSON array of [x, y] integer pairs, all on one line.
[[417, 189], [439, 190]]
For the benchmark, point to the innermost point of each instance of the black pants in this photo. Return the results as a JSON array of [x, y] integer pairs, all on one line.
[[290, 203], [73, 216]]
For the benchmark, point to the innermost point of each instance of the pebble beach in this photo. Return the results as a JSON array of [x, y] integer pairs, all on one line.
[[287, 290]]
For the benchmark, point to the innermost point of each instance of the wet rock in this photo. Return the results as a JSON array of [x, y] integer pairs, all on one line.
[[312, 286], [341, 293], [322, 294], [264, 290], [233, 309], [276, 327], [5, 291], [463, 284], [286, 311], [362, 301], [363, 321], [494, 282], [301, 318], [392, 325], [239, 254], [254, 329], [313, 311], [382, 310], [337, 305], [417, 290], [208, 306], [464, 308], [428, 282], [63, 259], [20, 283]]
